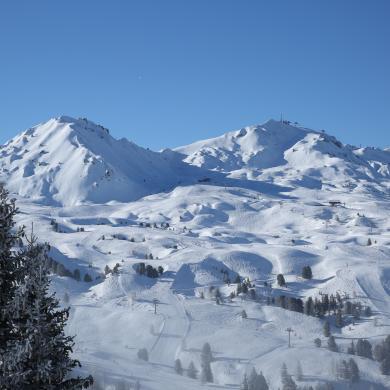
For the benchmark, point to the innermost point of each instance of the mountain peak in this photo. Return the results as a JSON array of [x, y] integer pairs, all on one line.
[[69, 161]]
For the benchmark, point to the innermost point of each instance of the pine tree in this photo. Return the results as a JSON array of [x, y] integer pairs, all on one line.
[[66, 299], [339, 319], [332, 346], [326, 329], [261, 383], [385, 366], [243, 314], [178, 367], [309, 307], [281, 281], [252, 380], [287, 381], [354, 371], [192, 372], [298, 372], [143, 354], [244, 384], [206, 359], [364, 348], [351, 349], [10, 275], [43, 351], [307, 272]]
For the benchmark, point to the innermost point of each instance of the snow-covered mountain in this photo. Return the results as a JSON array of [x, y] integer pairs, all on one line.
[[71, 161], [286, 154], [254, 203]]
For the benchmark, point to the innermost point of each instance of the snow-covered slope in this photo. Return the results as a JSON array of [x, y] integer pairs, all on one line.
[[203, 234], [70, 161], [286, 154]]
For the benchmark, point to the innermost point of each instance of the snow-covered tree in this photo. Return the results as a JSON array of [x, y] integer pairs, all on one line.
[[66, 299], [244, 384], [178, 367], [332, 346], [354, 371], [43, 351], [326, 329], [298, 372], [287, 381], [307, 272], [206, 358], [281, 281], [143, 354], [10, 275], [192, 372]]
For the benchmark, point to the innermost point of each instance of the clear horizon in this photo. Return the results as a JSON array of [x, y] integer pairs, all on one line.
[[165, 75]]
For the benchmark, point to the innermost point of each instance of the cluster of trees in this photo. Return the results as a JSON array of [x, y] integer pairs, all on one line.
[[149, 270], [254, 381], [327, 305], [362, 348], [206, 357], [59, 269], [192, 371], [54, 224], [381, 353], [108, 270], [163, 225], [35, 353], [257, 381], [348, 370]]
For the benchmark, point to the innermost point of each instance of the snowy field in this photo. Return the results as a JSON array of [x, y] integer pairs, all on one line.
[[253, 203]]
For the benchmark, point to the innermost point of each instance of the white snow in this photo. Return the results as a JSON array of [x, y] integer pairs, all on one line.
[[264, 210]]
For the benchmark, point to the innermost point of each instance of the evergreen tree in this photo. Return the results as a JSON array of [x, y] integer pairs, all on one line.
[[326, 329], [243, 314], [261, 383], [364, 348], [385, 366], [306, 272], [339, 319], [287, 381], [87, 278], [299, 372], [76, 274], [244, 384], [317, 342], [281, 281], [351, 349], [10, 275], [332, 346], [252, 380], [43, 351], [309, 307], [205, 361], [192, 372], [143, 354], [178, 367], [354, 371]]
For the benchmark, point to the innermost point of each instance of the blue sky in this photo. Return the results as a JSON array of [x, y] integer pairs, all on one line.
[[166, 73]]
